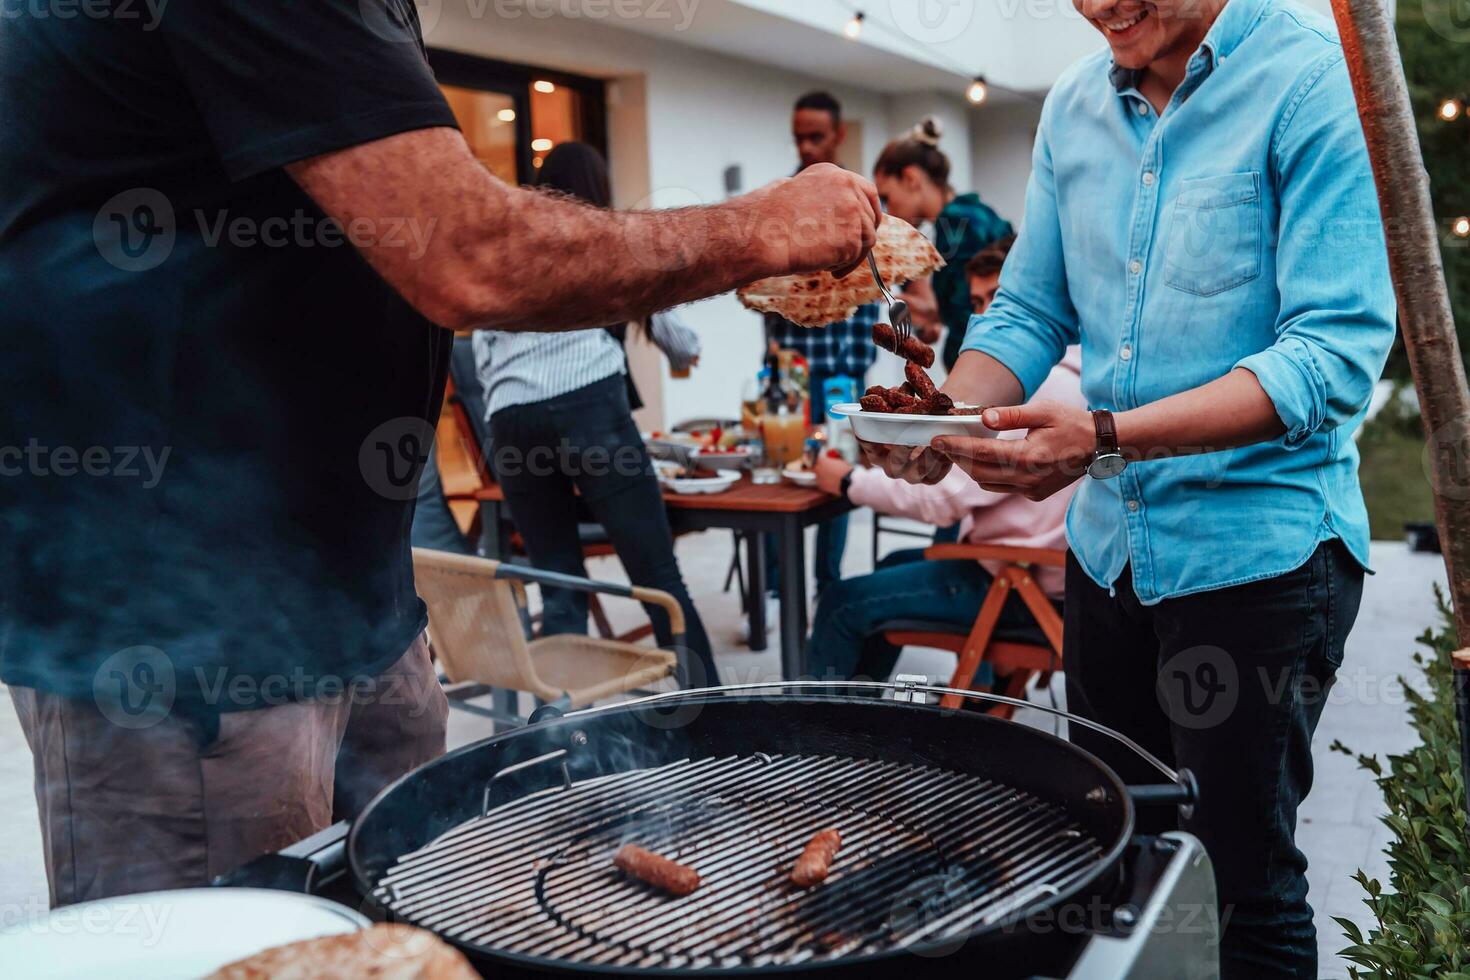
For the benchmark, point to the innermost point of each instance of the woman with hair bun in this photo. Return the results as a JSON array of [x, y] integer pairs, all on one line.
[[912, 175]]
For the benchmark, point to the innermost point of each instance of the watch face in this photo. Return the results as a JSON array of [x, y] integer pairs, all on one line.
[[1107, 467]]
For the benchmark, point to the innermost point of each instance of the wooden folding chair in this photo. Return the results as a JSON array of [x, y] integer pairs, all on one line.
[[478, 628], [1016, 658]]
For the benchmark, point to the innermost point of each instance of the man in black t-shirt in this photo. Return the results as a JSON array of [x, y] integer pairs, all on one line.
[[232, 236]]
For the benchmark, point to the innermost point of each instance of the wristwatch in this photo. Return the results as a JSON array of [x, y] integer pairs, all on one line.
[[846, 485], [1108, 462]]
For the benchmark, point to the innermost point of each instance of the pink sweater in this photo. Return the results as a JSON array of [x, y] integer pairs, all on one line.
[[986, 518]]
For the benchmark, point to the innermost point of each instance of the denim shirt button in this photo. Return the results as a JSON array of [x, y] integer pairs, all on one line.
[[1142, 109], [1126, 353], [1148, 178], [1135, 267], [1132, 506]]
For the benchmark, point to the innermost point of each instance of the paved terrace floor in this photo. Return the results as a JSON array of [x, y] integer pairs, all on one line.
[[1339, 823]]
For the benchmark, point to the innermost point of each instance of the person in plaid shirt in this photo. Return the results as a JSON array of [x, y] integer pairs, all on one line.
[[839, 350]]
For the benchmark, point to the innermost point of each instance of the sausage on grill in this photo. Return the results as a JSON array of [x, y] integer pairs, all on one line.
[[656, 870], [812, 867]]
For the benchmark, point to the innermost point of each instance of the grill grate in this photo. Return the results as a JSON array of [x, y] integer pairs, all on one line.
[[928, 855]]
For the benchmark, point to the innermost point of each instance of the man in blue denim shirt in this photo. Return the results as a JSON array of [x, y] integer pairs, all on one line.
[[1202, 219]]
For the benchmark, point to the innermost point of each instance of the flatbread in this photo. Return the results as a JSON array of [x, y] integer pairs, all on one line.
[[821, 298], [385, 952]]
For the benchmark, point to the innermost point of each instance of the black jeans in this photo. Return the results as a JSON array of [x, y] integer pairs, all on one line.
[[1229, 684], [585, 441]]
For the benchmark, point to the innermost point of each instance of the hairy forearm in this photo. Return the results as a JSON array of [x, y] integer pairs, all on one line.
[[478, 253], [580, 266], [1226, 413], [979, 379]]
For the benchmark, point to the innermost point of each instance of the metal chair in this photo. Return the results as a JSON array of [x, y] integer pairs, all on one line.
[[479, 632], [1014, 657]]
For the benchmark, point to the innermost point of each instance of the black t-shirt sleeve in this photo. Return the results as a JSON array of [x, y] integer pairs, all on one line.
[[278, 81]]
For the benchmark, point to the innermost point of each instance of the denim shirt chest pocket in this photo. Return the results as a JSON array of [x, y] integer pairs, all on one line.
[[1214, 238]]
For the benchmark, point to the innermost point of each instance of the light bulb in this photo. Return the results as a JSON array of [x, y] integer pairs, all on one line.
[[1449, 110], [542, 145], [507, 115], [545, 87], [979, 91], [1461, 227], [854, 28]]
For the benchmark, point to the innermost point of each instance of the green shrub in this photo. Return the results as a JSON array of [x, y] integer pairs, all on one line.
[[1423, 917]]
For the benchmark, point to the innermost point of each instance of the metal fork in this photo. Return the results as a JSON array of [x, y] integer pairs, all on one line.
[[898, 310]]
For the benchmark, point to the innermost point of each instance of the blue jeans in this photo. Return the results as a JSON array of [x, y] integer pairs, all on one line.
[[845, 642], [1229, 684]]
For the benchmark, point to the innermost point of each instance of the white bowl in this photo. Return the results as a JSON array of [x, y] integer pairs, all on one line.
[[693, 486], [909, 430], [800, 477]]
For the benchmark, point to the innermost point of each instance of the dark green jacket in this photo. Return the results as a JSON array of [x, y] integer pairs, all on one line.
[[963, 229]]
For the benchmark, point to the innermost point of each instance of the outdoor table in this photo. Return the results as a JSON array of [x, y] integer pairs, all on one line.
[[783, 509]]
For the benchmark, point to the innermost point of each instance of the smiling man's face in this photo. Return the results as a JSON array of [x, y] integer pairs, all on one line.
[[1141, 32]]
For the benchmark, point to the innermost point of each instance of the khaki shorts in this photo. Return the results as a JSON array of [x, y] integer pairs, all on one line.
[[127, 810]]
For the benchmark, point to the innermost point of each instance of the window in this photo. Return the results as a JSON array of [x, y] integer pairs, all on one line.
[[513, 115]]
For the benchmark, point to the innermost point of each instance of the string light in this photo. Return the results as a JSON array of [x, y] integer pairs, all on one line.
[[542, 145], [854, 28], [979, 91], [1450, 109], [1461, 227], [507, 115], [545, 87]]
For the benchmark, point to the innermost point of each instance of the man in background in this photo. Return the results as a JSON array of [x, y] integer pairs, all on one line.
[[841, 352], [983, 273]]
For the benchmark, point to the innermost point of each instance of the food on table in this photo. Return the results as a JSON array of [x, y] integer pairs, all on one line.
[[812, 867], [656, 870], [389, 951], [821, 298]]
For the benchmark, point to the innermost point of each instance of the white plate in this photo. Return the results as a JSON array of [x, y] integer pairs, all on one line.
[[909, 430], [163, 935], [688, 487], [802, 478]]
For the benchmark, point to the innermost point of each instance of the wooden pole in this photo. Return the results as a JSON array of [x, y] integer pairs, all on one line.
[[1372, 55]]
